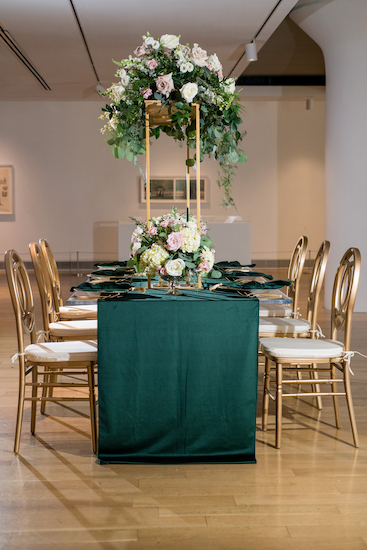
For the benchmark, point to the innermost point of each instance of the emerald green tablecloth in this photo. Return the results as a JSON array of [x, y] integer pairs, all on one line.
[[177, 378]]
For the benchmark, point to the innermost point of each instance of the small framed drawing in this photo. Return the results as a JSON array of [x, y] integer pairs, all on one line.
[[173, 189], [6, 190]]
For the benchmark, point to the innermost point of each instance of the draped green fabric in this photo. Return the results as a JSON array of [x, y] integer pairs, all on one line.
[[177, 378]]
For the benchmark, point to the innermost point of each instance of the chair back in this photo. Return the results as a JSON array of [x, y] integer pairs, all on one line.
[[295, 269], [344, 295], [317, 279], [21, 297], [53, 273], [44, 286]]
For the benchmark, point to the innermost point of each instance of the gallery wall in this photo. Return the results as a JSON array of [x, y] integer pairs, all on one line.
[[69, 188]]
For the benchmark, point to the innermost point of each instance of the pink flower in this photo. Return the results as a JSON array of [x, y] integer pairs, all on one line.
[[146, 93], [163, 271], [199, 56], [135, 239], [210, 67], [204, 229], [164, 223], [164, 84], [174, 241], [220, 74], [140, 51], [152, 64], [204, 266], [153, 231]]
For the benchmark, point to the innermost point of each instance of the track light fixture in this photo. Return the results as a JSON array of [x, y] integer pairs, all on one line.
[[251, 53]]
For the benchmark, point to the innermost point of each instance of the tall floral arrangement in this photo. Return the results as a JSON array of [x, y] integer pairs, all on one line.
[[172, 247], [176, 75]]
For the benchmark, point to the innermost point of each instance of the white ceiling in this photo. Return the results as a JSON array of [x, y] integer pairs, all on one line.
[[48, 34]]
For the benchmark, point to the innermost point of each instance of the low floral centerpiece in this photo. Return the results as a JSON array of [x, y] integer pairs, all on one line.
[[173, 248], [176, 75]]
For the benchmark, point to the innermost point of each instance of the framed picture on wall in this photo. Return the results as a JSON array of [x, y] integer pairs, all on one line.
[[6, 190], [173, 189]]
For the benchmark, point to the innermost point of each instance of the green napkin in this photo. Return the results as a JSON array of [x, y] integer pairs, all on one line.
[[106, 286]]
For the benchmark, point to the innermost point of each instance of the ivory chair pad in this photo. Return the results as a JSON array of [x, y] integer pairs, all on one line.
[[77, 312], [57, 352], [86, 328], [277, 325], [275, 310], [302, 348]]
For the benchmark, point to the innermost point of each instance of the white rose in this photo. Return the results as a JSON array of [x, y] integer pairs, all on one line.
[[189, 91], [214, 62], [175, 268], [169, 41], [230, 85], [116, 92]]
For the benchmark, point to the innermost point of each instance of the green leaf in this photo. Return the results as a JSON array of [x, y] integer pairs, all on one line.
[[190, 162], [129, 155], [242, 157], [119, 153], [215, 274], [111, 141]]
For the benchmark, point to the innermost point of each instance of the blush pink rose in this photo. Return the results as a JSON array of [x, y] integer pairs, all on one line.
[[152, 64], [164, 84], [164, 223], [199, 56], [153, 231], [146, 93], [140, 51], [174, 241], [163, 271]]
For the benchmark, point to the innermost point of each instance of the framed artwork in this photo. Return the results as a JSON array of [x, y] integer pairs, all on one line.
[[6, 190], [173, 189]]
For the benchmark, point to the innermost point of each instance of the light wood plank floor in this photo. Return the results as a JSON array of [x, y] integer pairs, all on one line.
[[310, 494]]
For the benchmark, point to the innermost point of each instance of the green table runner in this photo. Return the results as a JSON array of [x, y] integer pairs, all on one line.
[[177, 378]]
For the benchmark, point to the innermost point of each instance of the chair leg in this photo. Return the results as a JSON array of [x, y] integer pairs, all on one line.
[[279, 398], [34, 395], [348, 394], [46, 379], [316, 387], [21, 395], [334, 389], [92, 402], [266, 394]]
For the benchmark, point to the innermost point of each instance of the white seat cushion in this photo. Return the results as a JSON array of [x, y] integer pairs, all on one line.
[[275, 310], [303, 348], [55, 352], [78, 312], [82, 329], [279, 326]]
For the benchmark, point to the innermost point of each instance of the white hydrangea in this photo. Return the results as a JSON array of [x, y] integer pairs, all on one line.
[[152, 257], [116, 92], [192, 239]]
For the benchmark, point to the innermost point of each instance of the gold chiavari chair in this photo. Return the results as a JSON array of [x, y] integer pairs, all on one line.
[[39, 361], [54, 329], [62, 312], [324, 356], [295, 269]]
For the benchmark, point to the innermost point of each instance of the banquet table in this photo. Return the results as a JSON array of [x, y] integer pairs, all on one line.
[[177, 378]]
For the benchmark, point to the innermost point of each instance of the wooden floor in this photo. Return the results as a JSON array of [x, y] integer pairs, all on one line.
[[310, 494]]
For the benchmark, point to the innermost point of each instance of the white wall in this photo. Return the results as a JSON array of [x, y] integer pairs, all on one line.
[[71, 190]]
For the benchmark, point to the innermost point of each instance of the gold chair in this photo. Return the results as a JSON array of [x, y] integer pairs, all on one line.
[[39, 362], [54, 329], [295, 326], [295, 269], [62, 313], [322, 356]]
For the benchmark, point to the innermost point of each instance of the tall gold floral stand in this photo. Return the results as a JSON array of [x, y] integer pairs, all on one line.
[[157, 114]]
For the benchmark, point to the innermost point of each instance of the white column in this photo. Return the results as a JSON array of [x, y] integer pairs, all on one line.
[[340, 29]]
